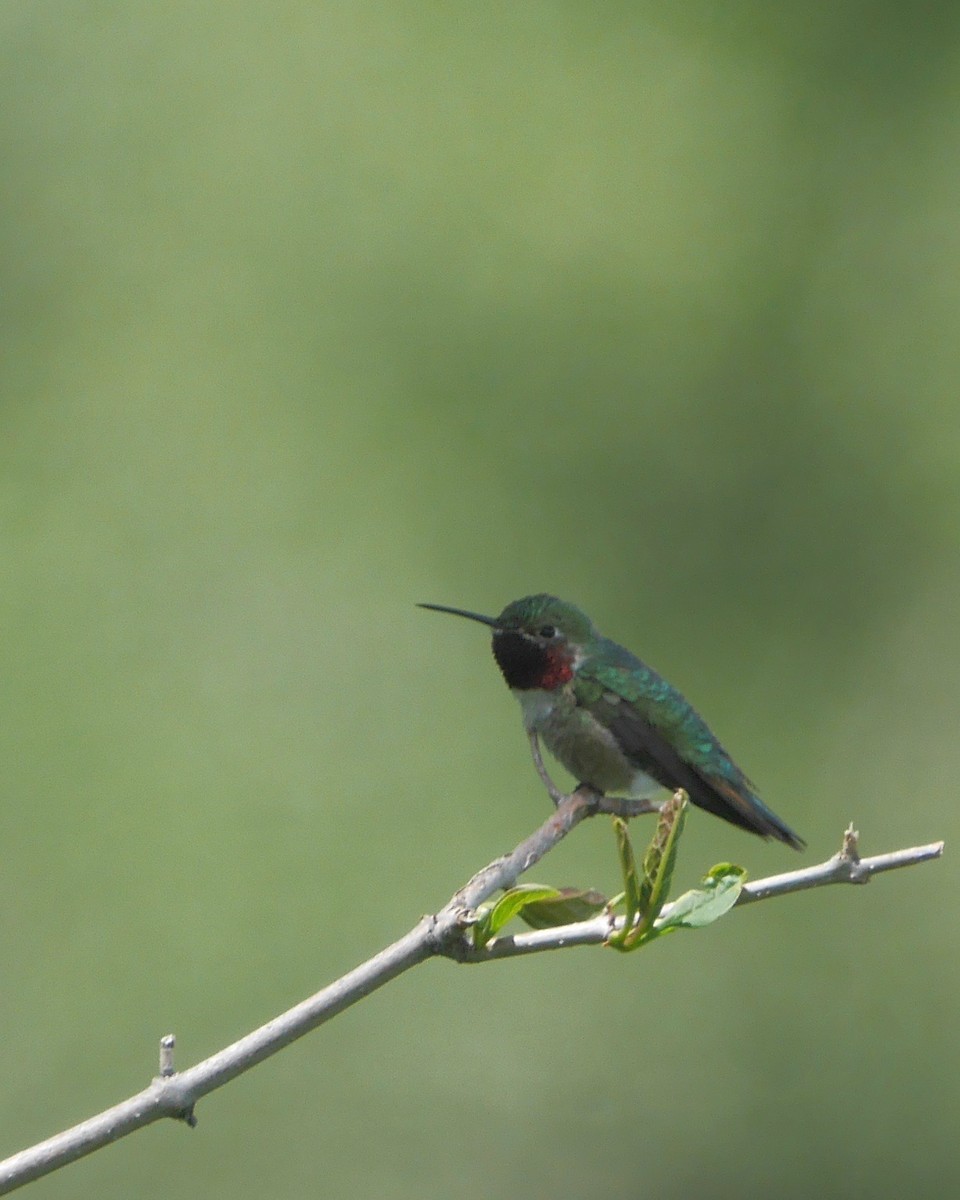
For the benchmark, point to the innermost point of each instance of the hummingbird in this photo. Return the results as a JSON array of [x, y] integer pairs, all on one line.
[[611, 720]]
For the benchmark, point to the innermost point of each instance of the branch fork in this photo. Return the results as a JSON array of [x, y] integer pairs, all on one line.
[[175, 1094]]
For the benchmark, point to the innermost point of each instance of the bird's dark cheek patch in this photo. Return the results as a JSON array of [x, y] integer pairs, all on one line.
[[526, 664], [521, 660]]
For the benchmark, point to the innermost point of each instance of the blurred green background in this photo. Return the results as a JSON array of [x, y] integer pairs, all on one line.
[[310, 312]]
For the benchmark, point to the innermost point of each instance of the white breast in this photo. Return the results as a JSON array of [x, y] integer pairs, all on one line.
[[537, 705]]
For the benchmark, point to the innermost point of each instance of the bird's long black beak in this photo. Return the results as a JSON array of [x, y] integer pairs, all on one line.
[[462, 612]]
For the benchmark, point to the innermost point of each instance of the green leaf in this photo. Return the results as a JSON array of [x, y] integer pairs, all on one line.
[[570, 905], [701, 906], [631, 885], [661, 857], [645, 899], [512, 902]]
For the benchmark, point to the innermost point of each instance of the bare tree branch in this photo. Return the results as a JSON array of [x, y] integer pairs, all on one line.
[[845, 867], [173, 1094]]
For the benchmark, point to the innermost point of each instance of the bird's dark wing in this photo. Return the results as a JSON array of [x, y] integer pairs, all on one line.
[[661, 733]]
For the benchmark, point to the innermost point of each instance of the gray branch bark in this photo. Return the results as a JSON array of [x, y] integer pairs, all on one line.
[[174, 1094]]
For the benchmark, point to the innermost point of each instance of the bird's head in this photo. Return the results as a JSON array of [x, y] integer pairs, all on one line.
[[537, 641]]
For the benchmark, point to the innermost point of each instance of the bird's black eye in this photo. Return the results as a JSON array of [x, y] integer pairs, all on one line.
[[547, 631]]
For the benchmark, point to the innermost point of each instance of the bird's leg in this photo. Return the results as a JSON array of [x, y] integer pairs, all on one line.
[[555, 794]]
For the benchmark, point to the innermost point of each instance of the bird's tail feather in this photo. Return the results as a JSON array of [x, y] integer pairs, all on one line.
[[741, 806]]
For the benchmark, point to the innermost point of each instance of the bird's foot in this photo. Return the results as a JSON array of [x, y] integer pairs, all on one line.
[[627, 806]]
